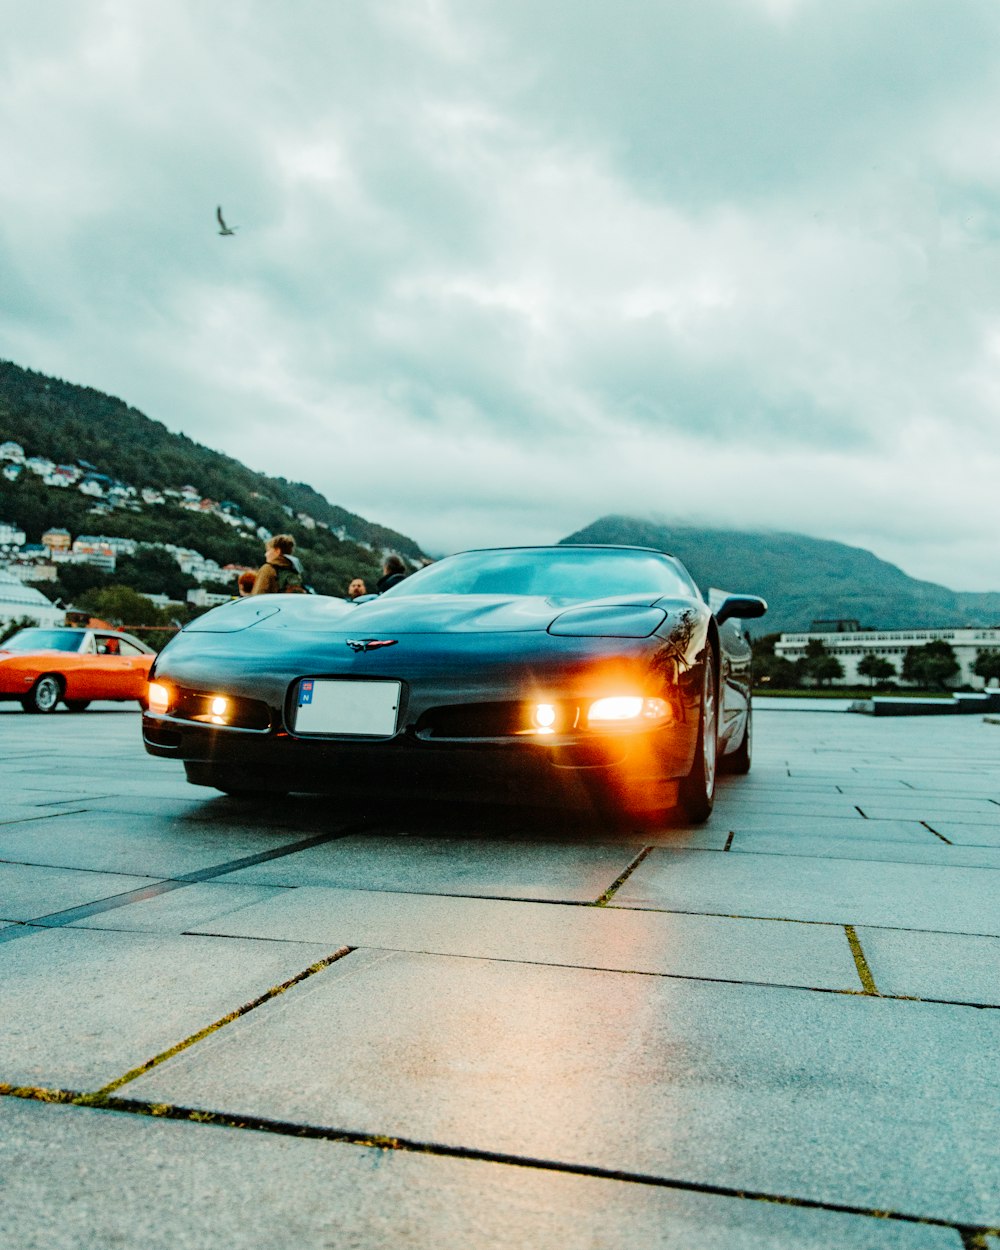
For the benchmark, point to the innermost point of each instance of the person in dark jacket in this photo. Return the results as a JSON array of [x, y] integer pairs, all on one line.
[[281, 572], [393, 571]]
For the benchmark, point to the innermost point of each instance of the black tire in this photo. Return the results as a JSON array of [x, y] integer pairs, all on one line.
[[739, 761], [78, 705], [44, 695], [697, 789]]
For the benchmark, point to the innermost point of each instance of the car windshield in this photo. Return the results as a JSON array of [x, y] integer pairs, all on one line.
[[564, 573], [45, 640]]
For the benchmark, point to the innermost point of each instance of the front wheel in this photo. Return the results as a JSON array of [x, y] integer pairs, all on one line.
[[43, 695], [697, 789]]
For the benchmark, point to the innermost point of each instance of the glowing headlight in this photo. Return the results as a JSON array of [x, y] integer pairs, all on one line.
[[545, 715], [219, 706], [158, 697], [628, 710]]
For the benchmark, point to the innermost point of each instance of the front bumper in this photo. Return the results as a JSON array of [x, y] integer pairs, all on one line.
[[638, 767]]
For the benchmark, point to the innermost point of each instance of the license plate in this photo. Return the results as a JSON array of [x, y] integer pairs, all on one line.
[[358, 709]]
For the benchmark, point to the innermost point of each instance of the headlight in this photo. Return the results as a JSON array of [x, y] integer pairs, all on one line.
[[158, 697], [207, 709], [626, 710]]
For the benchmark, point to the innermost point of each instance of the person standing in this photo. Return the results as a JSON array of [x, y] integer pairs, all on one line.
[[281, 572], [357, 587], [393, 571]]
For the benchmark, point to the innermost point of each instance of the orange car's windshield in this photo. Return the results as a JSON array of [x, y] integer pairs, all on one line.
[[45, 640]]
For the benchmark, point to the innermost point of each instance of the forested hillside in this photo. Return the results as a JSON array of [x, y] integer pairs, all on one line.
[[801, 578], [74, 424]]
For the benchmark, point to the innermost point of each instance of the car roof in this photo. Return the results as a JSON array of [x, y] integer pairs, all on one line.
[[96, 630], [656, 551]]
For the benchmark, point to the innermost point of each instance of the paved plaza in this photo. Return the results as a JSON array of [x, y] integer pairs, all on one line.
[[327, 1022]]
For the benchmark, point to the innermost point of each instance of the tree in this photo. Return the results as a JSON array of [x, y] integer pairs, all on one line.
[[876, 668], [987, 665], [818, 665], [825, 668], [15, 626], [933, 664]]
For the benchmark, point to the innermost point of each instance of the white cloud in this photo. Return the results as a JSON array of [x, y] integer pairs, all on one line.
[[501, 270]]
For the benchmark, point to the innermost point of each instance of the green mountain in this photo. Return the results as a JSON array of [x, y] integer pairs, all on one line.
[[78, 425], [803, 579]]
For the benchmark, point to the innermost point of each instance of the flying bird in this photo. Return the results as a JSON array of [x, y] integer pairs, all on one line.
[[223, 228]]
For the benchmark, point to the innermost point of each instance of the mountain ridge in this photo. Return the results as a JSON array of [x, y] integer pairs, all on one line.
[[803, 578]]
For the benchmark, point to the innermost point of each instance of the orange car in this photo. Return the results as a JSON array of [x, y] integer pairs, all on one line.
[[40, 667]]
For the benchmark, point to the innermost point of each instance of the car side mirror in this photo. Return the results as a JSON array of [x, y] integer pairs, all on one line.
[[740, 608]]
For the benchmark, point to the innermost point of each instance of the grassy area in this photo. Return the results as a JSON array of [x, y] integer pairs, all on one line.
[[845, 692]]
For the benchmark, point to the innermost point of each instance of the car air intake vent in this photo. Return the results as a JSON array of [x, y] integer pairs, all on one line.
[[474, 720]]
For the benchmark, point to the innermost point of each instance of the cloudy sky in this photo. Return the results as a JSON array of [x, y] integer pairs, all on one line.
[[503, 266]]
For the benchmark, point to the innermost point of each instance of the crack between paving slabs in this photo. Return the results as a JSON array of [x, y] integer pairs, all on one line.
[[936, 834], [973, 1235], [98, 1097], [60, 919], [620, 880], [860, 962]]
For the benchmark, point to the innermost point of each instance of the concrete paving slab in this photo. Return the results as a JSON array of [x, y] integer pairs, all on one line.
[[589, 937], [28, 892], [968, 835], [752, 1088], [913, 803], [181, 911], [147, 845], [80, 1007], [859, 830], [931, 851], [780, 804], [559, 872], [939, 808], [948, 966], [168, 1185], [799, 887]]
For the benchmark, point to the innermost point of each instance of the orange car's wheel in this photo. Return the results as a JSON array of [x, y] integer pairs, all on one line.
[[78, 705], [43, 695]]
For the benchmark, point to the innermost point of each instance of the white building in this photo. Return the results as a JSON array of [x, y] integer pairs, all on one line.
[[12, 451], [851, 645], [11, 535], [18, 600], [103, 542], [202, 598]]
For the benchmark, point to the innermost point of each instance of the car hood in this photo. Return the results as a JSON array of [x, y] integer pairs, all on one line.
[[402, 615]]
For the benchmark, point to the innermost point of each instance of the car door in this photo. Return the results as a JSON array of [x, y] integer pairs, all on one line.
[[115, 670]]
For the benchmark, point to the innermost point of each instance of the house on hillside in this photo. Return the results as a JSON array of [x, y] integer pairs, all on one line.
[[56, 539], [13, 471], [13, 452], [102, 542], [11, 535]]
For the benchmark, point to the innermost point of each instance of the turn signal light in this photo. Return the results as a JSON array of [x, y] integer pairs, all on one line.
[[158, 698]]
